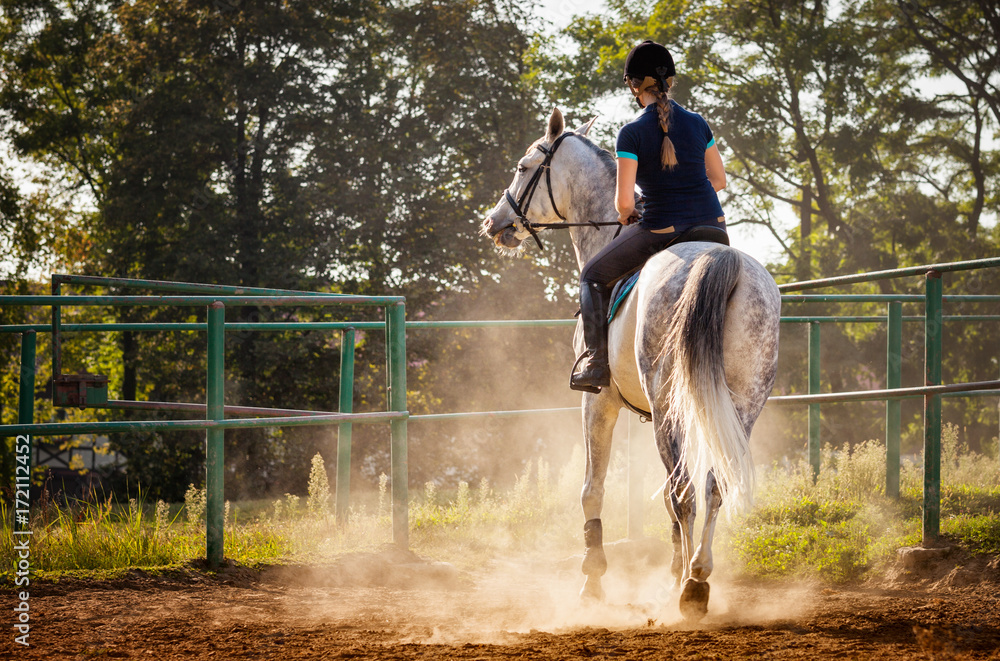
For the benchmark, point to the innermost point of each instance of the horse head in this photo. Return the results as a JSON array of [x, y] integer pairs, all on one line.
[[540, 191]]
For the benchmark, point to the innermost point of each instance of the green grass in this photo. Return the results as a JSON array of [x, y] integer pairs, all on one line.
[[105, 536], [980, 533], [840, 528], [843, 528], [468, 526], [98, 535]]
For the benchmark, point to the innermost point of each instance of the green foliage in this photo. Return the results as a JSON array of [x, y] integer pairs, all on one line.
[[964, 499], [537, 516], [19, 240], [97, 535], [981, 533], [806, 512], [842, 528], [837, 529], [308, 144], [835, 551]]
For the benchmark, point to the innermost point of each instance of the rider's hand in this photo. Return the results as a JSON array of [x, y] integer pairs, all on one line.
[[632, 217]]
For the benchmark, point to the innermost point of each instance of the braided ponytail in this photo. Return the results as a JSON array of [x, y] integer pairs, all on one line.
[[668, 157], [661, 90]]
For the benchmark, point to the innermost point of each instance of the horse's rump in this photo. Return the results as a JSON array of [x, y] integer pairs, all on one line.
[[699, 401], [673, 331]]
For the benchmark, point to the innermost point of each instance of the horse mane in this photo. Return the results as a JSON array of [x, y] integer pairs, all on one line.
[[605, 156]]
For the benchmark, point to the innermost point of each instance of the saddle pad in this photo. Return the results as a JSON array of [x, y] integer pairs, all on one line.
[[697, 233], [621, 292]]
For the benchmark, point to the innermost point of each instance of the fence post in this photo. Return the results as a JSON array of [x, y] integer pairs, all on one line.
[[396, 370], [636, 468], [894, 379], [215, 438], [344, 429], [814, 412], [26, 396], [932, 409], [56, 330]]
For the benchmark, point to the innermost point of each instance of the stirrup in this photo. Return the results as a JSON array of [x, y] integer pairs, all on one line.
[[584, 387]]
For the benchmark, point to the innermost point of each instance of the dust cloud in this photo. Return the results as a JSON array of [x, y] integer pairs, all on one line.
[[770, 440], [492, 369], [514, 598], [505, 577]]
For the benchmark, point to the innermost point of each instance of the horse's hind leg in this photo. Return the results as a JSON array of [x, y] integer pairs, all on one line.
[[678, 496], [599, 415], [694, 596], [701, 563], [677, 562], [683, 508]]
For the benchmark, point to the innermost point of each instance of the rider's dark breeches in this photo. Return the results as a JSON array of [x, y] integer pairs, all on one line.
[[625, 255]]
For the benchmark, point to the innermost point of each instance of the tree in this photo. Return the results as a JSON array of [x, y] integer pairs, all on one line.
[[837, 113], [308, 144], [960, 41]]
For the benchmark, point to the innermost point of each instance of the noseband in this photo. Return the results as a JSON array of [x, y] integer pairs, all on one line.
[[523, 203]]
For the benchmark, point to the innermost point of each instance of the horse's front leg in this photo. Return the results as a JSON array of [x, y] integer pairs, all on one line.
[[701, 563], [599, 415]]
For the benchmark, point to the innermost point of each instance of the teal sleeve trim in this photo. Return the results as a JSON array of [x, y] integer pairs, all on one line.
[[627, 154], [710, 143]]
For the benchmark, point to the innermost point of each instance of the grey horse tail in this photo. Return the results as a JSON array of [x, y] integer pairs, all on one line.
[[701, 403]]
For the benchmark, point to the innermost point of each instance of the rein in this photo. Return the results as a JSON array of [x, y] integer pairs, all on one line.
[[520, 205]]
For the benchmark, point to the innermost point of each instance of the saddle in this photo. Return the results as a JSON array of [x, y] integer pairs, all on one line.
[[625, 284]]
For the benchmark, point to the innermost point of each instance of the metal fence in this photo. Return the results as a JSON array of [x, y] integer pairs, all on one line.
[[215, 298], [219, 417]]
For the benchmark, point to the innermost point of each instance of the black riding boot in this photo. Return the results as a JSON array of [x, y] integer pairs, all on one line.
[[595, 373]]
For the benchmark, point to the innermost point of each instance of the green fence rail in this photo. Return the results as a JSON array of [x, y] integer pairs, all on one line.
[[214, 410], [933, 318]]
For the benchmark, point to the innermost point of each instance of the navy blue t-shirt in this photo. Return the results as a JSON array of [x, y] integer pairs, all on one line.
[[682, 197]]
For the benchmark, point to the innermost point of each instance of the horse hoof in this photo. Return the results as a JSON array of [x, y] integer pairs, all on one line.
[[694, 600], [591, 592]]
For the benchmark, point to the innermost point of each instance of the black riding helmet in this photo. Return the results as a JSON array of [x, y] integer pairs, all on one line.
[[649, 62]]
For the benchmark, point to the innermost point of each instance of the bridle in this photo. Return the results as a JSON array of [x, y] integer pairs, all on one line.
[[523, 203]]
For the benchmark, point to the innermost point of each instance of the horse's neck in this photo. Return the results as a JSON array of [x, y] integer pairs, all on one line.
[[593, 200]]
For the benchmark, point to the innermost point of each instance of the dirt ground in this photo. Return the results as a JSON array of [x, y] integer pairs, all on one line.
[[392, 605]]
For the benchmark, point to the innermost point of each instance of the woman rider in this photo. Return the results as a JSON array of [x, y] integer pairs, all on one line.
[[671, 154]]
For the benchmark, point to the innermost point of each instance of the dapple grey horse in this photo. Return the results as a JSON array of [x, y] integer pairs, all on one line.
[[695, 344]]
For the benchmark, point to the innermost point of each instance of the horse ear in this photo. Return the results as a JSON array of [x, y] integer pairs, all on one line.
[[556, 124], [584, 128]]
